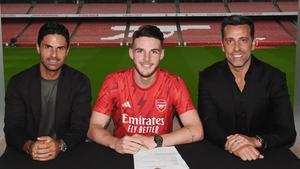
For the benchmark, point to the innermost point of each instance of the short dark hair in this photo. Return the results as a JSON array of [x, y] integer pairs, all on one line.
[[148, 31], [53, 28], [238, 20]]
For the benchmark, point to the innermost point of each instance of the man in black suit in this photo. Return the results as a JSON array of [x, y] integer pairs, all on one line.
[[244, 102], [47, 107]]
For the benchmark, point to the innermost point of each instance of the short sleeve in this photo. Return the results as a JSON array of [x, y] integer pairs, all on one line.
[[105, 99], [182, 98]]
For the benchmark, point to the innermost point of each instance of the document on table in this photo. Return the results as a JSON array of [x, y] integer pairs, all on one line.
[[159, 158]]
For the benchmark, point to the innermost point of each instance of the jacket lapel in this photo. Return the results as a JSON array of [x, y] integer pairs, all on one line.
[[35, 95], [61, 98], [228, 82], [251, 94]]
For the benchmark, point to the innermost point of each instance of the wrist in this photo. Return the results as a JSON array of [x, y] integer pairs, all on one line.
[[261, 142], [28, 146], [158, 140], [257, 142], [112, 143], [62, 146]]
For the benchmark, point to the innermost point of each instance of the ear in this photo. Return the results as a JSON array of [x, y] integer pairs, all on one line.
[[162, 55], [253, 44], [38, 48], [130, 53], [67, 51], [222, 46]]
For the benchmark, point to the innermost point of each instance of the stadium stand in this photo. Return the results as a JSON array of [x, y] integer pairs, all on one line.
[[202, 7], [99, 34], [54, 9], [209, 33], [11, 30], [105, 1], [288, 6], [97, 31], [271, 37], [14, 8], [290, 28], [153, 8], [104, 8], [251, 7], [29, 37], [16, 1], [201, 33]]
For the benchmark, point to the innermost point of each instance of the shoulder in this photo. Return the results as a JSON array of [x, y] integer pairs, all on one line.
[[266, 69], [73, 74], [116, 80], [26, 75], [168, 75], [171, 79], [263, 66], [119, 75], [213, 71]]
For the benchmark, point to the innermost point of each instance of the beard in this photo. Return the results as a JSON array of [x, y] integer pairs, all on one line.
[[48, 68], [147, 74], [242, 64]]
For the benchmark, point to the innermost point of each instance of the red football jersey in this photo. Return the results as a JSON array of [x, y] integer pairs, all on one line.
[[144, 111]]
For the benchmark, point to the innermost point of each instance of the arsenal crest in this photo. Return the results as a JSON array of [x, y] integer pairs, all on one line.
[[161, 104]]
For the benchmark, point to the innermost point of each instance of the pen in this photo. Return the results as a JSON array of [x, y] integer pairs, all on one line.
[[146, 147], [143, 145]]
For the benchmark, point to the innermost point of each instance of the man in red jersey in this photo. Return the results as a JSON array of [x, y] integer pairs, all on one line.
[[142, 102]]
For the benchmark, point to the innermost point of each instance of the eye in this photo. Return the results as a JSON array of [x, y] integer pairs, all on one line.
[[138, 50], [156, 52], [244, 40], [47, 46], [61, 48], [229, 41]]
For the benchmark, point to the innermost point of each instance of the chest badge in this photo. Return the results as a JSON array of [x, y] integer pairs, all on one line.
[[161, 104]]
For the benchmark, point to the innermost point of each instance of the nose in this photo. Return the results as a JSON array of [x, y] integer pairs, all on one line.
[[54, 52], [147, 57], [236, 46]]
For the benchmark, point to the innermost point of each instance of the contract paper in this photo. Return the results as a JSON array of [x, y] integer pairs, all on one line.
[[159, 158]]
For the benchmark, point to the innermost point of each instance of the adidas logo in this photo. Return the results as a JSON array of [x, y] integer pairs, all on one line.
[[126, 104]]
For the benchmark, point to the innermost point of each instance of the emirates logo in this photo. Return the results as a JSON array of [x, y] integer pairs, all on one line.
[[161, 104]]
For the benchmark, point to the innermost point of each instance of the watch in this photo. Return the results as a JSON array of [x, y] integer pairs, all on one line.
[[63, 147], [158, 140], [262, 142]]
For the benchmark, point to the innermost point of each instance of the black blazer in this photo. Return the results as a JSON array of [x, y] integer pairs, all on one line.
[[268, 109], [23, 107]]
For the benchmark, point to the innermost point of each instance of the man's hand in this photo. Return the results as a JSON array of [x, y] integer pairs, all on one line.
[[44, 149], [127, 145], [236, 141], [243, 147], [148, 141], [248, 153]]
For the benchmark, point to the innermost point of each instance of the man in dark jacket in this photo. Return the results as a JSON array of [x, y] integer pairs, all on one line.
[[47, 107], [244, 102]]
